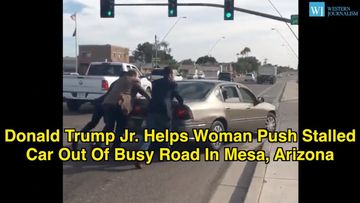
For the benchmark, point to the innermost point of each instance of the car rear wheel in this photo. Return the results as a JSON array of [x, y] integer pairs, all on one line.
[[217, 126], [270, 123]]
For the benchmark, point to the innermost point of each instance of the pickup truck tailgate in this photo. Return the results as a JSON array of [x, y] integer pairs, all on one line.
[[83, 87]]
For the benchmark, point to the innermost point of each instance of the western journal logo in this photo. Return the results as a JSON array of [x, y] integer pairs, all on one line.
[[316, 9]]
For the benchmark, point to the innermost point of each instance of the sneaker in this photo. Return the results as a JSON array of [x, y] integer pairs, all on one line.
[[139, 165]]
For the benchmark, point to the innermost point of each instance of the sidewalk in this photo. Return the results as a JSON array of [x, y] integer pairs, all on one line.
[[265, 183], [278, 181]]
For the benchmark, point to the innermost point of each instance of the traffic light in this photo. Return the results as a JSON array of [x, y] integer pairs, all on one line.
[[107, 8], [172, 8], [229, 10]]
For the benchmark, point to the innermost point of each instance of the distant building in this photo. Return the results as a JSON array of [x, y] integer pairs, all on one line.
[[96, 53], [210, 71], [226, 67]]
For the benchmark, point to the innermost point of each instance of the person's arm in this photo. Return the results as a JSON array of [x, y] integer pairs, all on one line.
[[176, 94], [142, 91]]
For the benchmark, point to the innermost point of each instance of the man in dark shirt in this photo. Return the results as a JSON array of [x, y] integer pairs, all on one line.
[[160, 106]]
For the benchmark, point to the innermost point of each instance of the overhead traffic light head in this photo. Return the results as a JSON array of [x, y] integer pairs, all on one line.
[[229, 10], [107, 8], [172, 8]]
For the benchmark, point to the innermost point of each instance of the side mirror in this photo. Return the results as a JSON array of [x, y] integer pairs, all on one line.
[[260, 99]]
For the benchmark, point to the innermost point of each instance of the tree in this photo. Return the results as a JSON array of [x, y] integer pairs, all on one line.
[[206, 60], [245, 51], [247, 64], [187, 62], [165, 46], [146, 52]]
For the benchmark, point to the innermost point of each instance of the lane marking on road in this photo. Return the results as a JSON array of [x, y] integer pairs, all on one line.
[[267, 89]]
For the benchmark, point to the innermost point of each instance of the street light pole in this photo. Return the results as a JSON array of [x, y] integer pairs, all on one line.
[[282, 17], [287, 51], [156, 47], [286, 42], [184, 17], [215, 45], [167, 33]]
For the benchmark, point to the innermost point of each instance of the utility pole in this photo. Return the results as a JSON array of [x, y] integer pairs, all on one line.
[[156, 48]]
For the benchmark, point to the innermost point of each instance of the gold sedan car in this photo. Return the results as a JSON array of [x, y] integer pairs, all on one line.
[[218, 106]]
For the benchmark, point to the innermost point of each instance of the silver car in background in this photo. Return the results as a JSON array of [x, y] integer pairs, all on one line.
[[218, 106]]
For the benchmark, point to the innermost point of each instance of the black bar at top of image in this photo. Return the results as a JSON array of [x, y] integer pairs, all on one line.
[[31, 97], [328, 85]]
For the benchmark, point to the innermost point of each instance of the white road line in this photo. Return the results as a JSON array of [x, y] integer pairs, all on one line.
[[265, 90]]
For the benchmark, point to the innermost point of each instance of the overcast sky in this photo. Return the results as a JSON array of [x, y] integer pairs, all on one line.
[[191, 37]]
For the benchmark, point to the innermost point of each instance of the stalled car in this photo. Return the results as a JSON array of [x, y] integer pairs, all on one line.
[[214, 105]]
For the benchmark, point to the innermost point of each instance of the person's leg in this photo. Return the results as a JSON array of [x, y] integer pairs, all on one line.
[[121, 122], [164, 124], [109, 119], [95, 119], [150, 124]]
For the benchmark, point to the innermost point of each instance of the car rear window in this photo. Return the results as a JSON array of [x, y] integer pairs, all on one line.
[[194, 90], [105, 70]]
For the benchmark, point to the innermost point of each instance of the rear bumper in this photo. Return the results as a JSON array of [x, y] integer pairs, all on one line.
[[181, 126], [138, 125], [81, 96]]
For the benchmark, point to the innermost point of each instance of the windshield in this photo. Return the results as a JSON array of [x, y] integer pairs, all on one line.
[[194, 90], [157, 72], [105, 70]]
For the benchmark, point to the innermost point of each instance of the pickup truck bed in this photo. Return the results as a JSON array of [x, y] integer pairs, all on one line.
[[78, 89]]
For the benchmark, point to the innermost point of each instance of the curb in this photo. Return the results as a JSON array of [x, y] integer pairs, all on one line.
[[258, 180], [280, 96], [238, 192], [235, 182]]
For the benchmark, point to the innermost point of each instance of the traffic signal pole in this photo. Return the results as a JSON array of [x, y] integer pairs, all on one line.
[[212, 5]]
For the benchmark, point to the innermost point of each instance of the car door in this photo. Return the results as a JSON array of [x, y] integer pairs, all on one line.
[[233, 108], [254, 115]]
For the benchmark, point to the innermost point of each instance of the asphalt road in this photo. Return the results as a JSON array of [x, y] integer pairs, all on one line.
[[98, 182]]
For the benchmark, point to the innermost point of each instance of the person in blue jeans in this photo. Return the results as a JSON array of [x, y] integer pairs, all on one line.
[[159, 114]]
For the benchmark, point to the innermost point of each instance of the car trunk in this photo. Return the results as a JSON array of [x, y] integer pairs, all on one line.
[[138, 115]]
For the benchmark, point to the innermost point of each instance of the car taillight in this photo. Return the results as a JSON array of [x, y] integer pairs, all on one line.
[[104, 85], [183, 112], [138, 111]]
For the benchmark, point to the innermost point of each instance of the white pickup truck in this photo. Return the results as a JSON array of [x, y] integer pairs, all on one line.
[[79, 89]]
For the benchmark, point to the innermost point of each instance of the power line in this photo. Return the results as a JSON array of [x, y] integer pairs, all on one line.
[[282, 16]]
